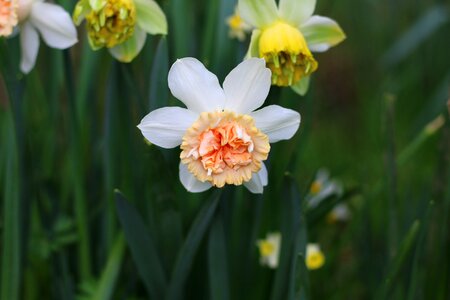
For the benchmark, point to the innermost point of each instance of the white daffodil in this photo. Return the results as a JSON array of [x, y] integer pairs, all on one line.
[[286, 35], [339, 213], [120, 25], [269, 250], [223, 139], [314, 257], [322, 188], [238, 28], [34, 18]]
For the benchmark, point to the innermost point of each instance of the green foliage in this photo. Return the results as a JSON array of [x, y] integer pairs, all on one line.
[[375, 116]]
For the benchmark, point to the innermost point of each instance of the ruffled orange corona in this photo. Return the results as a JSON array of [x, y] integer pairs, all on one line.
[[224, 148], [8, 16]]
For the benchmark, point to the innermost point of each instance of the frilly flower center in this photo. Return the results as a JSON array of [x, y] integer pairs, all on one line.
[[8, 16], [111, 25], [224, 148], [286, 53]]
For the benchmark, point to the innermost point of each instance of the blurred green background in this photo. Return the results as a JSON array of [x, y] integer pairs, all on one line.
[[69, 140]]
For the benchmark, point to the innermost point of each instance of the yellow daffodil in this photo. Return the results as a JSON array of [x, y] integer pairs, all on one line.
[[269, 249], [120, 25], [223, 138], [314, 257], [238, 28], [34, 18], [286, 35], [322, 188]]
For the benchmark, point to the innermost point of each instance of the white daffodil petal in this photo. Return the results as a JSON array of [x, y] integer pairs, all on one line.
[[253, 48], [321, 33], [150, 17], [258, 13], [129, 49], [54, 24], [302, 86], [166, 126], [195, 86], [247, 86], [29, 44], [191, 183], [296, 12], [258, 182], [277, 122]]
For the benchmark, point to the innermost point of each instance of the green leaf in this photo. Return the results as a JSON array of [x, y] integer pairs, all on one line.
[[396, 265], [291, 240], [143, 249], [158, 95], [217, 261], [150, 17], [187, 252], [110, 274]]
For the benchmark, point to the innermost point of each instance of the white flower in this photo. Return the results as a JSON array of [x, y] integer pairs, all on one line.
[[269, 250], [51, 21], [314, 257], [223, 139], [339, 213], [322, 188]]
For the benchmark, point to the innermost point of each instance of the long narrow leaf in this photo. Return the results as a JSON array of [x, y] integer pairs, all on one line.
[[143, 249], [187, 252]]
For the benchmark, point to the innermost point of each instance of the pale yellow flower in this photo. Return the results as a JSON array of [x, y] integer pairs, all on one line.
[[314, 257], [285, 35], [269, 250], [238, 28]]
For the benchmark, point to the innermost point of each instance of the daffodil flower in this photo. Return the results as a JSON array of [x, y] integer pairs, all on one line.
[[34, 17], [223, 139], [120, 25], [238, 28], [315, 258], [339, 213], [322, 188], [269, 250], [286, 35]]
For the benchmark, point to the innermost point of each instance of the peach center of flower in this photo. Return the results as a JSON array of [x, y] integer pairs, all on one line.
[[224, 148], [8, 16]]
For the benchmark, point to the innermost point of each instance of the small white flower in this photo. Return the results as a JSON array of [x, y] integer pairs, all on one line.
[[322, 188], [339, 213], [223, 139], [269, 250], [314, 256], [50, 21]]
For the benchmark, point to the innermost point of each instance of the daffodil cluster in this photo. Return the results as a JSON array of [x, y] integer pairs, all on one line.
[[286, 35], [120, 25]]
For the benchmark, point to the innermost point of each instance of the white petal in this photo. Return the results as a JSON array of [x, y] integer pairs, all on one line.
[[150, 17], [166, 126], [29, 44], [258, 13], [195, 86], [296, 12], [258, 182], [247, 86], [129, 49], [54, 24], [277, 122], [321, 33], [191, 183]]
